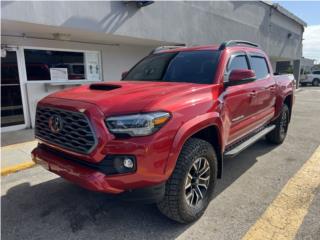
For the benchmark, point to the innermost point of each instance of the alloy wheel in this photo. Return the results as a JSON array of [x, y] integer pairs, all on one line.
[[197, 181], [283, 124]]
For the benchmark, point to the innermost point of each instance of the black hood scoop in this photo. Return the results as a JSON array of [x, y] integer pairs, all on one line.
[[104, 86]]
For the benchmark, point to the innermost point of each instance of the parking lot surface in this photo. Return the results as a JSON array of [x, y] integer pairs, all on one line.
[[37, 204]]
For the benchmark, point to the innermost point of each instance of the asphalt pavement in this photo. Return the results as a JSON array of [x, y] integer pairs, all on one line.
[[37, 204]]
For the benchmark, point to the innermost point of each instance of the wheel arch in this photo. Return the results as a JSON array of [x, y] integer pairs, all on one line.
[[289, 102], [201, 127], [212, 135], [315, 79]]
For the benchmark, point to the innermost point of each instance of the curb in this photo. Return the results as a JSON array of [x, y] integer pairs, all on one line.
[[16, 168]]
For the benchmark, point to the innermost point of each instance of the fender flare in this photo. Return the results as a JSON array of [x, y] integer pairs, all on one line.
[[280, 101], [186, 131]]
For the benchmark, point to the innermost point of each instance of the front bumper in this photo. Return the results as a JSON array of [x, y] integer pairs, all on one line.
[[93, 179], [150, 152]]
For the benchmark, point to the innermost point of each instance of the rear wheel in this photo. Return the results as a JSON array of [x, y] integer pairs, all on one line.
[[316, 82], [278, 134], [190, 188]]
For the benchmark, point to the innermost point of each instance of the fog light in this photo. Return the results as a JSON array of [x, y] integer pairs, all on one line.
[[119, 164], [128, 163]]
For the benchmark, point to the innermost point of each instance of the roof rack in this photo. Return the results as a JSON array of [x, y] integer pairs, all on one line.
[[158, 49], [236, 42]]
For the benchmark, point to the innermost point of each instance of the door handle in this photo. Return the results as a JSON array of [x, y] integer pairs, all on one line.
[[272, 88], [253, 94]]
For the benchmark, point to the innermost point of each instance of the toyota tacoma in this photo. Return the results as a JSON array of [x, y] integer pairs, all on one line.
[[161, 134]]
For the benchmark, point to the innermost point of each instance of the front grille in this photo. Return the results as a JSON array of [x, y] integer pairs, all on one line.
[[75, 132]]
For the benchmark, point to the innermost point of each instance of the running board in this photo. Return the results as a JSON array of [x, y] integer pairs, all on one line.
[[242, 146]]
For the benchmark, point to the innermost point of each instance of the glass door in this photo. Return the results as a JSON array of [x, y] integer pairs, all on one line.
[[12, 111]]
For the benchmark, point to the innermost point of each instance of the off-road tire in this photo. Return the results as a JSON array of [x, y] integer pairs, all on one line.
[[277, 135], [316, 82], [174, 205]]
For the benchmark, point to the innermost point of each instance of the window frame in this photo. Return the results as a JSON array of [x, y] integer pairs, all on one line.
[[231, 57], [86, 80], [259, 55]]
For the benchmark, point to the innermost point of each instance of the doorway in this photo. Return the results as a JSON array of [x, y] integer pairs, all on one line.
[[12, 103]]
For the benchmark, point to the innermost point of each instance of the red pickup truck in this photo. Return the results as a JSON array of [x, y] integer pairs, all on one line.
[[161, 134]]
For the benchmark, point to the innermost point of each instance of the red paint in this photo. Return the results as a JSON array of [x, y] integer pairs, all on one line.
[[240, 74], [193, 107]]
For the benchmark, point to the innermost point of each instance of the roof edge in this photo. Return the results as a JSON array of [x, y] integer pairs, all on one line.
[[286, 12]]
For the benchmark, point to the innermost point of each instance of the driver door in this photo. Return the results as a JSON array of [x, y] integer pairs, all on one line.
[[237, 100]]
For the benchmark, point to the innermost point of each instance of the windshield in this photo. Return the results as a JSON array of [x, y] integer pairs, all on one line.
[[189, 66]]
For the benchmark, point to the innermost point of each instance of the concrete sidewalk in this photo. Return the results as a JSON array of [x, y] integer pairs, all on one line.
[[16, 150]]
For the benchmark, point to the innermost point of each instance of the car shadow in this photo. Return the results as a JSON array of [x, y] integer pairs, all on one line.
[[57, 209]]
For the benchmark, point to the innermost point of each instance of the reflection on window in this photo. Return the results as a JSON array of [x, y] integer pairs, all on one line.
[[11, 100], [260, 66], [189, 66], [239, 62], [39, 62]]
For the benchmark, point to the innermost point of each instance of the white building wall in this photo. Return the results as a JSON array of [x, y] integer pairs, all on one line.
[[198, 22], [115, 60]]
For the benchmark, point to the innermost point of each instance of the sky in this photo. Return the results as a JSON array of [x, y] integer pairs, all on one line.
[[308, 11]]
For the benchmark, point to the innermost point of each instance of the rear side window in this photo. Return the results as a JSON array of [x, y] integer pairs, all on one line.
[[238, 62], [260, 66], [316, 72]]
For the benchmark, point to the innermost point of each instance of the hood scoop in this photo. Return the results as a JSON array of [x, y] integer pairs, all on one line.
[[103, 86]]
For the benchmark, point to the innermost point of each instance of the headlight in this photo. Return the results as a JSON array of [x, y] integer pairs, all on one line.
[[138, 124]]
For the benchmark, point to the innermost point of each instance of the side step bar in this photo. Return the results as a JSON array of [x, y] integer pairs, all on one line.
[[242, 146]]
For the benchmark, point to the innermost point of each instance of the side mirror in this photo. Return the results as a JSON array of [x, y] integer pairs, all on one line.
[[124, 74], [240, 76]]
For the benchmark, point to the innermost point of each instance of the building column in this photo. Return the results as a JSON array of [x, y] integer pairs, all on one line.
[[296, 71]]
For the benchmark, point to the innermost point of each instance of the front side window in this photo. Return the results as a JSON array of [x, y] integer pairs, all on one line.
[[316, 72], [259, 66], [189, 66], [238, 62]]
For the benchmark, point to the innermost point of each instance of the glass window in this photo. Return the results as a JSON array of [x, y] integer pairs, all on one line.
[[11, 99], [260, 66], [39, 62], [189, 66], [316, 72], [238, 62]]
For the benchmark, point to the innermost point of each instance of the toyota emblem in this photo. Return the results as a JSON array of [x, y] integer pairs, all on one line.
[[55, 123]]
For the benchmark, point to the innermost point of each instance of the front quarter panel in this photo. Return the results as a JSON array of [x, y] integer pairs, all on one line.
[[285, 88], [186, 131]]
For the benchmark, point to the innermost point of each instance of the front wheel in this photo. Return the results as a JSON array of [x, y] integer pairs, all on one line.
[[279, 133], [316, 82], [190, 187]]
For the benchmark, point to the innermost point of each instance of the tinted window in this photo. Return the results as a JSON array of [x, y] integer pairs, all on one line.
[[260, 66], [11, 100], [238, 62], [39, 62], [188, 66], [316, 72]]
